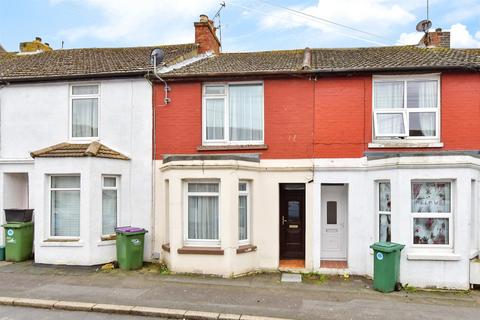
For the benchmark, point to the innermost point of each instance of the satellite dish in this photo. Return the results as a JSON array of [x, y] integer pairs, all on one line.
[[157, 56], [424, 25]]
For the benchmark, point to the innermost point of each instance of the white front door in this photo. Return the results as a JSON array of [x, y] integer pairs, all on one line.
[[334, 222]]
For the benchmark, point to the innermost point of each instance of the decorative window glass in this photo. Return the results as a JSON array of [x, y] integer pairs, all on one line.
[[243, 213], [65, 206], [406, 108], [202, 213], [84, 111], [431, 206], [109, 204], [233, 113], [384, 212]]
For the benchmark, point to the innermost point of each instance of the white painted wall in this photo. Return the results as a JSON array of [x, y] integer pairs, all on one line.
[[35, 116]]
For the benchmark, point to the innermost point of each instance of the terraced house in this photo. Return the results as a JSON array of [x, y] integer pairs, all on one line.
[[301, 159]]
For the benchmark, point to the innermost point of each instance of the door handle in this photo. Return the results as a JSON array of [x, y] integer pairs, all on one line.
[[283, 220]]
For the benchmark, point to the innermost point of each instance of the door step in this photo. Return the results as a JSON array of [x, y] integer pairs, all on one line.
[[291, 277]]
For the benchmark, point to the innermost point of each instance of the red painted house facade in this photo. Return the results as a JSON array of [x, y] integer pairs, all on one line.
[[304, 158]]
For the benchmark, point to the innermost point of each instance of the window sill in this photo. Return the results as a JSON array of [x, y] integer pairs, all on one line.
[[61, 243], [232, 147], [379, 144], [166, 247], [109, 237], [434, 256], [246, 248], [201, 250]]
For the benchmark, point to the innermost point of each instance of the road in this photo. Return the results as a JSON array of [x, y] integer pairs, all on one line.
[[21, 313]]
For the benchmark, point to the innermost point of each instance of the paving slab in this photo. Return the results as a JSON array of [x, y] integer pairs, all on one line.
[[291, 277]]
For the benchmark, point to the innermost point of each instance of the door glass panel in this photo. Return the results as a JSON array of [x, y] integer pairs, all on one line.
[[331, 212], [293, 210]]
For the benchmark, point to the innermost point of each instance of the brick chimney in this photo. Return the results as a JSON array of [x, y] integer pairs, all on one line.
[[437, 39], [35, 46], [205, 35]]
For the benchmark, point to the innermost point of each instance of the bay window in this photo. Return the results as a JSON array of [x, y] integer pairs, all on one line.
[[233, 113], [65, 206], [202, 220], [243, 213], [384, 212], [84, 101], [431, 206], [109, 204], [406, 108]]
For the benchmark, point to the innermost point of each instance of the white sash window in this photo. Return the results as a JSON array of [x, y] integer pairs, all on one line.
[[65, 206], [84, 102]]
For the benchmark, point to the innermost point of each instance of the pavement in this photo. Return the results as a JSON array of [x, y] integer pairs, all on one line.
[[317, 297]]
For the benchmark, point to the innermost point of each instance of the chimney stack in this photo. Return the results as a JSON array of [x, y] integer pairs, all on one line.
[[35, 46], [205, 35], [436, 39]]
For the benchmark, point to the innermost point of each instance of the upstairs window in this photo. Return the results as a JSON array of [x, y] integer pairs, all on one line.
[[84, 111], [233, 114], [406, 108]]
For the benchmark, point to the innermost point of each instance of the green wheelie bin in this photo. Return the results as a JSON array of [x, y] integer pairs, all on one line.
[[386, 265], [130, 243], [18, 241]]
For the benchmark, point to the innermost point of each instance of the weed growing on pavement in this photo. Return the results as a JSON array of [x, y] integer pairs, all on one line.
[[315, 277]]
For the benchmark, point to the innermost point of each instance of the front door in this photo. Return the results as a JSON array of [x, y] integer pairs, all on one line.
[[334, 222], [292, 221]]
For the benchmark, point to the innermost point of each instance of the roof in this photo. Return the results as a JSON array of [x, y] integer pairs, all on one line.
[[75, 150], [91, 62], [394, 58]]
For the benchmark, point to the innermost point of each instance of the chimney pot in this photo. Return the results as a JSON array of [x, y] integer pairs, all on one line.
[[438, 30], [204, 18], [38, 39]]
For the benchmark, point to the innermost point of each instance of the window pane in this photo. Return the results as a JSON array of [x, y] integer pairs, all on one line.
[[203, 217], [109, 211], [331, 212], [85, 117], [65, 213], [390, 124], [293, 210], [430, 231], [384, 197], [246, 112], [385, 228], [422, 94], [77, 90], [389, 95], [242, 186], [431, 197], [215, 89], [203, 187], [215, 117], [66, 182], [422, 124], [109, 182], [242, 218]]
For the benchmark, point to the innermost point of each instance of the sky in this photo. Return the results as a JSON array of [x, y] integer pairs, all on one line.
[[246, 25]]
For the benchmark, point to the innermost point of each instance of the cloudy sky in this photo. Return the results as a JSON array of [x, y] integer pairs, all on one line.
[[246, 24]]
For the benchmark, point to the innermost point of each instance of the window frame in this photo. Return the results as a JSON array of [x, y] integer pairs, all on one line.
[[440, 215], [117, 189], [379, 212], [49, 204], [72, 97], [226, 117], [246, 193], [405, 111], [201, 242]]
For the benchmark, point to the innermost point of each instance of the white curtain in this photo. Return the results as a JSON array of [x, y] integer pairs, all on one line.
[[422, 124], [242, 218], [389, 95], [246, 112], [422, 94], [431, 197], [203, 217], [215, 116], [390, 123], [85, 117], [385, 228], [65, 206], [109, 211]]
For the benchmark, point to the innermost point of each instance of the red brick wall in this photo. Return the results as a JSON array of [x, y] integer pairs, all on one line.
[[341, 108]]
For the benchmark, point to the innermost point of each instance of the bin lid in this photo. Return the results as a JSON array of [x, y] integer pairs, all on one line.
[[387, 246], [16, 225], [129, 229]]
